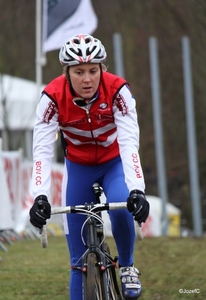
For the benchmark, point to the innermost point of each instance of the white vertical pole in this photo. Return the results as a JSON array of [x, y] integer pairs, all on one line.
[[191, 137], [159, 147], [3, 99], [38, 46], [40, 56], [40, 61], [118, 55], [28, 141]]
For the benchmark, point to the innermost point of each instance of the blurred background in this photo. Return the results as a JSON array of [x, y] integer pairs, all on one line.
[[136, 21]]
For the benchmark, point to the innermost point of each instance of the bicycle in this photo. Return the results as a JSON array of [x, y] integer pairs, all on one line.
[[98, 267]]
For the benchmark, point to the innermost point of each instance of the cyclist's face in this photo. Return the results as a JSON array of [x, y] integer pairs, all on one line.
[[85, 79]]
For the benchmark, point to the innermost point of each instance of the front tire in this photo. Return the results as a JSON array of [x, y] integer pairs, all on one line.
[[93, 288]]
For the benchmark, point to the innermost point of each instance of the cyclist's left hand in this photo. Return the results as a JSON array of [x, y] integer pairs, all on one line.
[[40, 211], [138, 205]]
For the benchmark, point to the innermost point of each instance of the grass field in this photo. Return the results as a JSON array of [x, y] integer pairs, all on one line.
[[172, 268]]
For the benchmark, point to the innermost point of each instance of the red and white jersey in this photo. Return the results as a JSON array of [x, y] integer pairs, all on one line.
[[94, 132]]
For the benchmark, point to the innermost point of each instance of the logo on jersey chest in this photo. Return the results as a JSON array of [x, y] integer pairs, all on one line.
[[103, 105]]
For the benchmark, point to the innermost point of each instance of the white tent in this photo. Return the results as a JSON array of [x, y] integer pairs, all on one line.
[[153, 225], [21, 97]]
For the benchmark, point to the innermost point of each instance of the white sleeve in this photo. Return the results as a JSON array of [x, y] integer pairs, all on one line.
[[125, 116], [44, 136]]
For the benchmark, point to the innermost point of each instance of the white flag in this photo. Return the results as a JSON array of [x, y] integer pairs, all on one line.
[[64, 18]]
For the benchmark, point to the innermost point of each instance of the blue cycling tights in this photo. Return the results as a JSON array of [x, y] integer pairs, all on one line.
[[77, 189]]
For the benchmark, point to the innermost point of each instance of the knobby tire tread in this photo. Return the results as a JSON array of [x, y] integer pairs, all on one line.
[[93, 279]]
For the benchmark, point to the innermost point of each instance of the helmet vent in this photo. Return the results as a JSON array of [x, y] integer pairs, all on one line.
[[77, 52], [87, 40], [88, 51], [76, 41]]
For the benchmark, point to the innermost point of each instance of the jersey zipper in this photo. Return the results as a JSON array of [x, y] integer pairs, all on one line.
[[88, 116], [90, 121]]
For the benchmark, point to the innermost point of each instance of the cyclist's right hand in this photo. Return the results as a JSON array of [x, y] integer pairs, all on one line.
[[40, 211]]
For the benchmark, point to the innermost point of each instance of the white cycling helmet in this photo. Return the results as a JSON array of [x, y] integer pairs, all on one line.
[[82, 48]]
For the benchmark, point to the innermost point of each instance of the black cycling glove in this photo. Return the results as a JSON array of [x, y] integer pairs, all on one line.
[[138, 205], [40, 211]]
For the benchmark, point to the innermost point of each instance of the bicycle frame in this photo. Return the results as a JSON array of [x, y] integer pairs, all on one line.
[[95, 244], [102, 261]]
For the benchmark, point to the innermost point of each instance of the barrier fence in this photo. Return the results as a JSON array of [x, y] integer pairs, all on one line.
[[16, 200]]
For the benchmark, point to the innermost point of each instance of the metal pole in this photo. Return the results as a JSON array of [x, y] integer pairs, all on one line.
[[40, 61], [191, 138], [40, 57], [159, 147], [38, 47], [118, 56]]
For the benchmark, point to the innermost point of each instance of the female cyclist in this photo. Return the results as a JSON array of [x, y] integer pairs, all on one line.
[[95, 112]]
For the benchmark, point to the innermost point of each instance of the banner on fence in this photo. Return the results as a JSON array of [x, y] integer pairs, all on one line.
[[16, 199], [6, 220]]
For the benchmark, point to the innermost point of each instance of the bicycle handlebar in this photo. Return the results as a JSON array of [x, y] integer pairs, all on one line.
[[94, 208], [87, 209]]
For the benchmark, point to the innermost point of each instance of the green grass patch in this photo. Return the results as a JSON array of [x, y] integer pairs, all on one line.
[[167, 265]]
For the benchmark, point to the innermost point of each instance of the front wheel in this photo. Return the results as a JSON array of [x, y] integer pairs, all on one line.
[[92, 279]]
